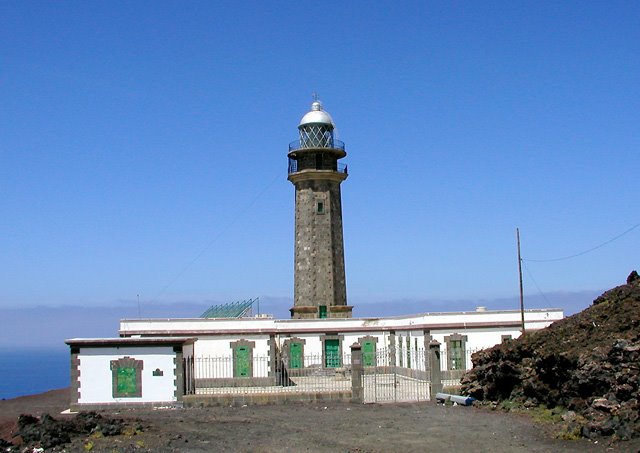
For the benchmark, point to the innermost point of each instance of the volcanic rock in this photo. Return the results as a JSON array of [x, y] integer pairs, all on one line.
[[588, 363], [47, 432]]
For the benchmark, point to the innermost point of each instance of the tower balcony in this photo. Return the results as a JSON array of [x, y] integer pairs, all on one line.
[[294, 166], [323, 142]]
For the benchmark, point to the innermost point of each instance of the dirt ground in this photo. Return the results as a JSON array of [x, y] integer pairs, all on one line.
[[336, 427]]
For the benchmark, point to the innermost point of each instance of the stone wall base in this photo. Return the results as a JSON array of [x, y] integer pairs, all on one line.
[[258, 399], [77, 407]]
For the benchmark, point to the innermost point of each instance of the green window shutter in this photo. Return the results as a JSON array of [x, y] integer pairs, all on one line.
[[295, 355], [126, 384], [241, 368], [456, 354], [368, 353]]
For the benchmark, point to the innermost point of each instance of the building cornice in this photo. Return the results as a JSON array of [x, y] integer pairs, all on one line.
[[289, 330], [179, 340]]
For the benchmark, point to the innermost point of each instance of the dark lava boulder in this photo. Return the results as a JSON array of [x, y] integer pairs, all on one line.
[[47, 432], [588, 363]]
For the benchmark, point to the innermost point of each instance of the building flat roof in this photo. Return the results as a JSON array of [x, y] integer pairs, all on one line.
[[502, 319], [130, 341], [348, 320]]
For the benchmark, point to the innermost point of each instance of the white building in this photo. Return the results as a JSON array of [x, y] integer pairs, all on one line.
[[158, 361], [108, 372], [216, 337]]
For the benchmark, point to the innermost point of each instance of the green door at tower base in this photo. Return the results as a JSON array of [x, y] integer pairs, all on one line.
[[322, 311], [241, 362], [332, 353]]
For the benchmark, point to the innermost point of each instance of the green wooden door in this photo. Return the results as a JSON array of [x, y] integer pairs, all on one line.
[[368, 353], [295, 355], [241, 362], [332, 353], [322, 311]]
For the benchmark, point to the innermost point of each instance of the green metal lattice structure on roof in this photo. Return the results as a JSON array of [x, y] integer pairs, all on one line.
[[238, 309]]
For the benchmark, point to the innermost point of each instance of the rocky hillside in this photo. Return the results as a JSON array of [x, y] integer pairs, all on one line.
[[588, 363]]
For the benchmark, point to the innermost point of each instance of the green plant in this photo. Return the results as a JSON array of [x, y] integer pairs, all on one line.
[[542, 414], [508, 405], [569, 432]]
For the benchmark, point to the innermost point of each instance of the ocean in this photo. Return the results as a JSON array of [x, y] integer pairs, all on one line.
[[30, 371]]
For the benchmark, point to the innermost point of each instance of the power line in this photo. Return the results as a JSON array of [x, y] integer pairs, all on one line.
[[536, 283], [238, 215], [585, 251]]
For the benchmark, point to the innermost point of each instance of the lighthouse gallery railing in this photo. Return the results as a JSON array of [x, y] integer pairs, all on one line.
[[340, 168]]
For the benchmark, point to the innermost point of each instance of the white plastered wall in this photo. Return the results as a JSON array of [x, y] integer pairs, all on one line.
[[220, 345], [214, 355], [96, 385]]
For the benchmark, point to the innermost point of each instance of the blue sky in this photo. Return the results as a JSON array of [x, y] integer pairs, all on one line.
[[143, 147]]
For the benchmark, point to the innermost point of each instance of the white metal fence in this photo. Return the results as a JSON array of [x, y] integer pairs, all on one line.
[[223, 375], [395, 375], [389, 374]]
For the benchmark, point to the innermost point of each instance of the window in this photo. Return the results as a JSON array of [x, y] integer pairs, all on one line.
[[322, 311], [368, 344], [295, 355], [241, 362], [456, 351], [320, 207], [332, 358], [126, 378], [126, 384], [242, 358]]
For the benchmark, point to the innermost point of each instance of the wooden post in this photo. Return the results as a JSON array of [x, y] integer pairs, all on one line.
[[520, 274]]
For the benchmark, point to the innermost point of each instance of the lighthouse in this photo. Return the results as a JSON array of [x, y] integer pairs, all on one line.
[[319, 275]]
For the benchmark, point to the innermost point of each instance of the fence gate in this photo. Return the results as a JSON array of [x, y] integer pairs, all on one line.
[[395, 375]]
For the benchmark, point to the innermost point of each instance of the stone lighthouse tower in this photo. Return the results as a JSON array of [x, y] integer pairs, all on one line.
[[320, 289]]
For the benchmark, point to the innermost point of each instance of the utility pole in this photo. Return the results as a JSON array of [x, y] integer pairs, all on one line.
[[520, 274]]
